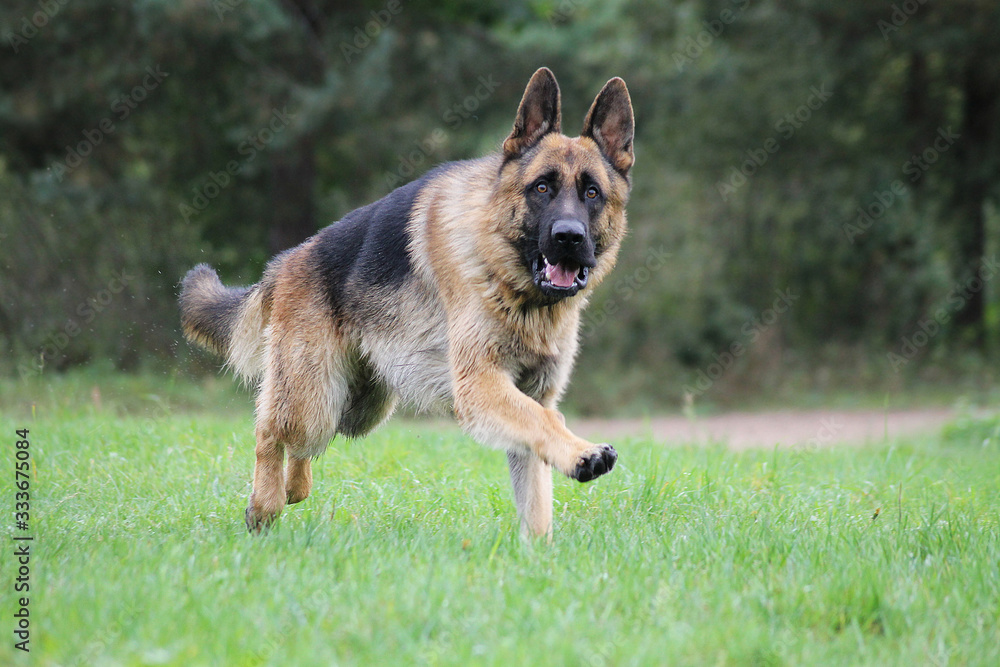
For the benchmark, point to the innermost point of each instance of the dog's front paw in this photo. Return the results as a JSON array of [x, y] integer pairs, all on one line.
[[595, 463]]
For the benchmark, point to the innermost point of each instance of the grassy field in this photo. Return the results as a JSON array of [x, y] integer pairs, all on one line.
[[408, 553]]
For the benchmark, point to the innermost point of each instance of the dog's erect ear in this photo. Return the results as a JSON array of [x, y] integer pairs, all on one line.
[[537, 115], [611, 124]]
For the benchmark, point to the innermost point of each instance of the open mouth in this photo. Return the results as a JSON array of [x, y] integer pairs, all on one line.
[[564, 278]]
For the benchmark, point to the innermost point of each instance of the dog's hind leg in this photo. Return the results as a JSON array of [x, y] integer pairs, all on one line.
[[532, 481], [302, 394], [298, 479], [274, 426], [268, 497]]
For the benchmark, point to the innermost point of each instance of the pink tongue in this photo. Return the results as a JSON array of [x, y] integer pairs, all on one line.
[[560, 275]]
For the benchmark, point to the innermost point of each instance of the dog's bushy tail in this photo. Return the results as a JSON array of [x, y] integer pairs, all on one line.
[[229, 321]]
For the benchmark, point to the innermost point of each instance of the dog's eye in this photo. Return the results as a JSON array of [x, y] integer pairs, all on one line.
[[541, 187], [592, 192]]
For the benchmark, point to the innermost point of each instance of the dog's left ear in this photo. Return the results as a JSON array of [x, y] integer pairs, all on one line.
[[537, 115], [611, 124]]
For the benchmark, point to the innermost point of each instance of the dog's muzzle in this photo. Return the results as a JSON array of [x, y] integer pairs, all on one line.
[[564, 261]]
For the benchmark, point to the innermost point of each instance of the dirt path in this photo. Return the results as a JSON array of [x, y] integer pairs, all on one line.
[[740, 430]]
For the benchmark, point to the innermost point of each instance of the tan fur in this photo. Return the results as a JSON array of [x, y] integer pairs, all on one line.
[[467, 330], [246, 352]]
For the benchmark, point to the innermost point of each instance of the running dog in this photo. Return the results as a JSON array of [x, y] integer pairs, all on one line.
[[462, 289]]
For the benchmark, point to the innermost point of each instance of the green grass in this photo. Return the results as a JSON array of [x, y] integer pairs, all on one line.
[[408, 552]]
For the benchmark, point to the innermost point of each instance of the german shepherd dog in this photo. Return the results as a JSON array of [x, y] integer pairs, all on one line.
[[460, 290]]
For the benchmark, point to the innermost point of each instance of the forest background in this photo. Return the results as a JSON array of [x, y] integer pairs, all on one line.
[[814, 210]]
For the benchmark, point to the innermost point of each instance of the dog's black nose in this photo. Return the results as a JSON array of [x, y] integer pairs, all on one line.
[[568, 233]]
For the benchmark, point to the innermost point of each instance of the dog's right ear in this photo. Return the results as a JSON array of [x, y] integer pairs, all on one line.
[[537, 115]]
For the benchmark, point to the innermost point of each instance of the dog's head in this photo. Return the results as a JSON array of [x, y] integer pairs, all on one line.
[[568, 195]]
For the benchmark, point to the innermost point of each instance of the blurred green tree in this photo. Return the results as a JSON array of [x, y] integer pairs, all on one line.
[[843, 156]]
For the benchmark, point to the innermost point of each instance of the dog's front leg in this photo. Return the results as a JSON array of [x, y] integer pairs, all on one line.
[[532, 481], [493, 411]]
